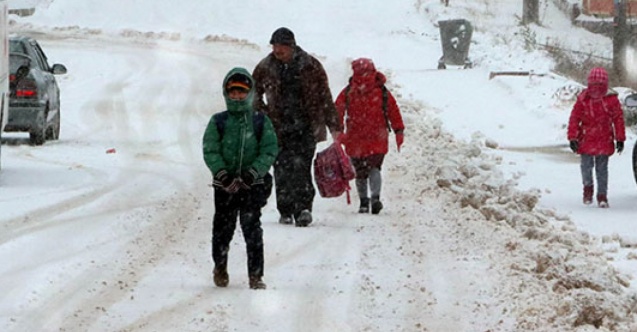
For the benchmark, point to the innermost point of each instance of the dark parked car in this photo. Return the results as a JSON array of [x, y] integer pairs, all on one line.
[[630, 109], [34, 103]]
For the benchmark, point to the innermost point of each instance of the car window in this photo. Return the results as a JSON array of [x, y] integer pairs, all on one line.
[[16, 47], [41, 56], [33, 53], [17, 60]]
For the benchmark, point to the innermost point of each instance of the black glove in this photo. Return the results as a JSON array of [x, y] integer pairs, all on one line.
[[249, 176], [574, 145], [223, 178], [620, 146]]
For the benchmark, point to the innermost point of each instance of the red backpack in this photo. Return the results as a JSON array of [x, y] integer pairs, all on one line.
[[333, 171]]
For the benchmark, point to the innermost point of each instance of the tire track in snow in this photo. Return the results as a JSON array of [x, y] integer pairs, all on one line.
[[148, 246]]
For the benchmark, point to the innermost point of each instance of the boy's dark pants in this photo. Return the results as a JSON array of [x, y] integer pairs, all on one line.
[[247, 205]]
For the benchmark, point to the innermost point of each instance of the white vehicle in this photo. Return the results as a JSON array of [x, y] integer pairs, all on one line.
[[4, 67]]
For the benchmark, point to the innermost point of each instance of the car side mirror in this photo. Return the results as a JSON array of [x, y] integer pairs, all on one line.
[[58, 69], [631, 100]]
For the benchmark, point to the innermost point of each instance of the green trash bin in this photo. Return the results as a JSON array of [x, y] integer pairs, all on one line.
[[455, 37]]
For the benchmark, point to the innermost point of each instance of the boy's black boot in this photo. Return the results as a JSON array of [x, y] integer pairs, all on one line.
[[220, 276], [256, 282]]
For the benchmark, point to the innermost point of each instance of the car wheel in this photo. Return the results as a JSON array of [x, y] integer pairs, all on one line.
[[37, 135], [56, 131], [635, 161], [53, 131]]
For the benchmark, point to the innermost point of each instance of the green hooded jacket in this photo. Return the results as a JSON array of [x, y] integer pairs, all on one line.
[[239, 149]]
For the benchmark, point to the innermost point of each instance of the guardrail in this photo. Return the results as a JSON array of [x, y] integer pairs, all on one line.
[[22, 11]]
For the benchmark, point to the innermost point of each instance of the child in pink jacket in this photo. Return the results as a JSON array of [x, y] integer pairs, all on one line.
[[595, 130]]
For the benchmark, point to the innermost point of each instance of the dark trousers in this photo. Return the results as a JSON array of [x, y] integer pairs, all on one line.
[[364, 165], [293, 177], [246, 204], [368, 172]]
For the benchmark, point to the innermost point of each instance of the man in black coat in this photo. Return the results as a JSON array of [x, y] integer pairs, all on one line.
[[299, 103]]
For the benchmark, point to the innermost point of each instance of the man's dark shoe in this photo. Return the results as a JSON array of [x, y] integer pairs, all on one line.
[[376, 205], [286, 220], [256, 283], [364, 205], [220, 276], [304, 218]]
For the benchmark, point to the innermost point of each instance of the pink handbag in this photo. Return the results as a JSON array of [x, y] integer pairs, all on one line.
[[333, 171]]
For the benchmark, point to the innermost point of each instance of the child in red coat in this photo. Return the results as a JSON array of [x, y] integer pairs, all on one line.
[[370, 113], [595, 124]]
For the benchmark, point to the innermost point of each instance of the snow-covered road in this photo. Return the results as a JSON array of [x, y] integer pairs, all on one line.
[[120, 241], [97, 241]]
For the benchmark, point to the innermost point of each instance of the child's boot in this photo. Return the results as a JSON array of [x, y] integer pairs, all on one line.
[[256, 282], [588, 195], [364, 205], [376, 205], [602, 201], [220, 276]]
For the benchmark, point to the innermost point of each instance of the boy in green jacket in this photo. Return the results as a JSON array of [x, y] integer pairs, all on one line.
[[239, 147]]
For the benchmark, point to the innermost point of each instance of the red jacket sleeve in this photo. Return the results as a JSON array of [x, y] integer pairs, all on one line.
[[617, 116], [393, 113], [574, 121]]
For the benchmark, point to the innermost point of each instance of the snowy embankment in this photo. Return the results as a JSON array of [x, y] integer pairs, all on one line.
[[552, 276]]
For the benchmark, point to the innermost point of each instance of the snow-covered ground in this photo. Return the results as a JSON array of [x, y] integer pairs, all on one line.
[[483, 228]]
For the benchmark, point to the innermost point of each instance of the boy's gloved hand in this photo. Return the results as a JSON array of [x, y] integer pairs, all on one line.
[[234, 186], [223, 178], [248, 177], [227, 182], [620, 146]]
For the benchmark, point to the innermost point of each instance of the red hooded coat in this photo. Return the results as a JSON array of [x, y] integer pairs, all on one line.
[[365, 126], [597, 119]]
